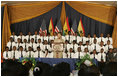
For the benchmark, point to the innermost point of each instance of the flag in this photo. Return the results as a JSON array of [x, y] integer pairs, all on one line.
[[51, 27], [58, 27], [81, 28], [43, 28], [74, 27], [66, 27]]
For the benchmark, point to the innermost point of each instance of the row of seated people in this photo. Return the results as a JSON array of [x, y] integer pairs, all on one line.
[[99, 56], [66, 45], [68, 37]]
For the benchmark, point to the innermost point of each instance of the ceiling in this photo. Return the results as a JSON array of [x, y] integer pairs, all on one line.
[[107, 3]]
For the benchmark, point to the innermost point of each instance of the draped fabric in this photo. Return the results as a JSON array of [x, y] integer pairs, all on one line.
[[114, 35], [91, 26], [102, 13], [6, 33], [2, 14], [20, 13], [34, 24]]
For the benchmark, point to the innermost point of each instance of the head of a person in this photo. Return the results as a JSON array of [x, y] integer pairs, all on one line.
[[102, 50], [95, 41], [101, 35], [21, 48], [19, 40], [80, 43], [82, 35], [35, 33], [79, 49], [74, 42], [52, 41], [29, 33], [69, 32], [25, 40], [108, 35], [11, 39], [94, 51], [7, 48], [108, 42], [89, 36], [45, 42], [39, 40], [38, 48], [30, 48], [71, 50], [13, 33], [87, 42], [75, 33], [66, 42], [21, 33], [59, 35], [110, 50], [55, 33], [14, 48], [101, 43], [32, 40], [86, 50], [94, 35]]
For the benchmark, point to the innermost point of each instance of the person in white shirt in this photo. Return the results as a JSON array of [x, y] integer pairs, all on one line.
[[102, 56], [55, 35], [21, 52], [108, 38], [85, 52], [80, 53], [21, 36], [14, 37], [70, 53], [18, 44], [25, 45], [101, 38], [46, 46], [102, 45], [65, 54], [15, 53], [94, 37], [94, 55], [29, 53], [33, 44], [66, 46], [48, 54], [74, 46], [39, 44], [88, 46], [95, 46], [89, 39], [35, 36], [28, 37], [80, 45], [37, 53], [108, 46], [68, 37], [10, 44], [83, 39], [7, 53]]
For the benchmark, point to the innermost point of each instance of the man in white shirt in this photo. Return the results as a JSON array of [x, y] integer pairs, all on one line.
[[35, 36], [101, 38], [102, 45], [88, 46], [48, 54], [14, 37], [33, 44], [68, 37], [39, 44], [94, 55], [25, 45], [108, 38], [15, 53], [37, 53], [95, 46], [10, 44], [89, 39], [21, 52], [94, 37], [108, 46], [85, 52], [74, 46], [66, 46], [46, 46], [65, 54], [102, 56], [80, 53], [18, 44], [83, 39], [7, 53], [80, 45], [29, 53], [28, 37], [70, 53], [21, 36]]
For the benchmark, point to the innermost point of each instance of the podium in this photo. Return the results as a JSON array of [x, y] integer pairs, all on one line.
[[57, 48]]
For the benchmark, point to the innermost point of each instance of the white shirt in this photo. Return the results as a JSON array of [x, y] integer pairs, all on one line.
[[92, 40], [80, 54], [108, 46], [23, 53], [104, 57], [85, 53], [89, 39], [46, 46], [18, 45], [37, 54], [75, 46], [15, 38], [65, 55], [16, 54], [63, 37], [25, 46], [92, 56], [28, 53], [21, 37], [80, 39], [28, 38], [82, 47], [110, 38], [67, 38], [35, 37], [34, 45], [101, 38], [9, 44], [5, 55], [89, 47], [49, 55], [93, 47], [101, 47], [41, 45]]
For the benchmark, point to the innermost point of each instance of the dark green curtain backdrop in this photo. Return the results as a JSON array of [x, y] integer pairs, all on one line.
[[34, 24], [90, 26]]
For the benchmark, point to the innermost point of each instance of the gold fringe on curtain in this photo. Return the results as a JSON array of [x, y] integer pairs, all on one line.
[[24, 12], [102, 13], [114, 35], [6, 33], [63, 13]]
